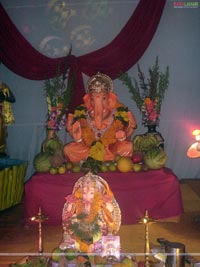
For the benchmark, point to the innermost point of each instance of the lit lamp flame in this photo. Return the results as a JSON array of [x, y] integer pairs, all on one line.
[[194, 150], [39, 218], [145, 221]]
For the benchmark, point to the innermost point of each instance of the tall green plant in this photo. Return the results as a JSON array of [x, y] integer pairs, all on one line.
[[148, 93]]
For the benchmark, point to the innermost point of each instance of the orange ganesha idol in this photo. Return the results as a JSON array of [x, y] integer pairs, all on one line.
[[101, 127]]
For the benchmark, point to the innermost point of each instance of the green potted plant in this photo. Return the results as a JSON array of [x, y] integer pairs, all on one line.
[[148, 94]]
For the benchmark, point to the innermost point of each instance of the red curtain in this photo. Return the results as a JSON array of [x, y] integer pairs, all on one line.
[[118, 56]]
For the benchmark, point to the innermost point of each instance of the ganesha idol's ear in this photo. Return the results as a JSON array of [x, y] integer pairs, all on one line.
[[86, 100], [112, 99]]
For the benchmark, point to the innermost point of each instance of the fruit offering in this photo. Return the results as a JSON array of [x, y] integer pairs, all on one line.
[[155, 158], [143, 143], [124, 164]]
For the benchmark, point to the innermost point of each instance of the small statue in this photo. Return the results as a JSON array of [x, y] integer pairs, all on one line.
[[101, 127], [6, 115], [89, 213]]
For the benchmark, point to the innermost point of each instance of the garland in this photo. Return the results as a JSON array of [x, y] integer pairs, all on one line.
[[120, 120], [95, 205], [85, 227]]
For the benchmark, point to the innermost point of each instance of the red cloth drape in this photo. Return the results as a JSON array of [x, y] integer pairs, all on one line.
[[118, 56], [157, 191]]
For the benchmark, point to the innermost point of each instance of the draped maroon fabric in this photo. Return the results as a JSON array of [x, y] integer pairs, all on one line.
[[118, 56]]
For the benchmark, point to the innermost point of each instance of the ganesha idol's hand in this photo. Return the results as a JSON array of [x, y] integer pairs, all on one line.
[[122, 147], [125, 149], [76, 132], [120, 135], [69, 122]]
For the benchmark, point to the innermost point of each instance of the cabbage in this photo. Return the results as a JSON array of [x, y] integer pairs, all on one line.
[[155, 158], [143, 143], [52, 144]]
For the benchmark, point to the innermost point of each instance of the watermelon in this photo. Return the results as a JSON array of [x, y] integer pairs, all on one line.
[[42, 162], [155, 158]]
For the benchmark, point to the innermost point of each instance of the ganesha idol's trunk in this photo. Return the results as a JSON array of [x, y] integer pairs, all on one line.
[[98, 121], [98, 115]]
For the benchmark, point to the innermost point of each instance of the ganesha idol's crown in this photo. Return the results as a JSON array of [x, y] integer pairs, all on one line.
[[99, 83], [90, 180]]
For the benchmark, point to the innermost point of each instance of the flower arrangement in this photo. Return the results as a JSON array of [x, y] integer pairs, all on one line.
[[149, 95], [58, 95]]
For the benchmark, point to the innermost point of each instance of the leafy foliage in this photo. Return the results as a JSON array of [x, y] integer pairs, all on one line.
[[83, 229], [153, 87], [91, 165]]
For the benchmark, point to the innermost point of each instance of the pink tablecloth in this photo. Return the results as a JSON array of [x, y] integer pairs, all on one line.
[[158, 191]]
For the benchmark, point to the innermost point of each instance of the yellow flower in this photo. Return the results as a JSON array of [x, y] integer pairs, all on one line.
[[79, 113], [122, 114], [97, 151]]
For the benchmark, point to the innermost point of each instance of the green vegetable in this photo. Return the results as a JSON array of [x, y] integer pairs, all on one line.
[[52, 145], [42, 161], [155, 158], [143, 143]]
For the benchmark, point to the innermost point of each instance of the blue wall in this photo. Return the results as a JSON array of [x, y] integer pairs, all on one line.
[[89, 25]]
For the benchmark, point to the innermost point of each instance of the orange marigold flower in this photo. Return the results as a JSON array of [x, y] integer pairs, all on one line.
[[147, 100]]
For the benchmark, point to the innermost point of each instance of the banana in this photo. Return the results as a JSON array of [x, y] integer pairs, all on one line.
[[142, 143]]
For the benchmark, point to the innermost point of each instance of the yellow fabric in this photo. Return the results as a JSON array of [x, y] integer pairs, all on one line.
[[7, 112]]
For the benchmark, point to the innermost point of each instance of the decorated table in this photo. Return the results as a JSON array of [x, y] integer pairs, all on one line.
[[157, 191]]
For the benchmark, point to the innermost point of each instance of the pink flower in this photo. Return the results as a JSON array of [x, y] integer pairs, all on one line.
[[53, 108], [153, 115], [150, 105], [50, 123]]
